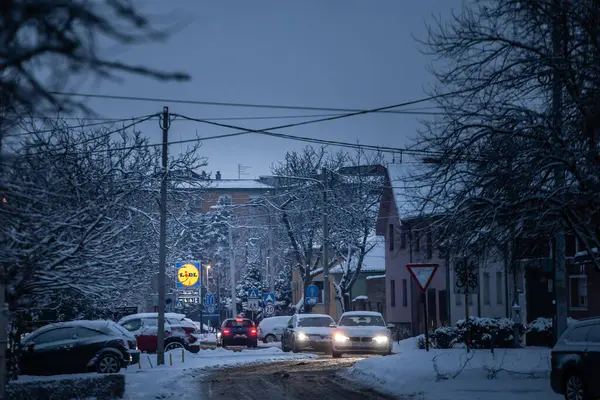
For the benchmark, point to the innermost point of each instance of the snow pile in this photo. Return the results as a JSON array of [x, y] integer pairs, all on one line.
[[450, 374]]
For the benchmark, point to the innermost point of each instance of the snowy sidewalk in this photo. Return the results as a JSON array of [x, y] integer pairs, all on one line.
[[518, 374]]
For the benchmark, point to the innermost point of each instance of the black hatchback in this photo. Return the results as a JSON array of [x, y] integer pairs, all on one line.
[[238, 332], [77, 346], [576, 361]]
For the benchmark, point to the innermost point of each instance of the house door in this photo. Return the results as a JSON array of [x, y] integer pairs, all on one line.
[[540, 293]]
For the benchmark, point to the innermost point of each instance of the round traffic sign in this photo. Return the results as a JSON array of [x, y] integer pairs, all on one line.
[[269, 309], [210, 309], [188, 275]]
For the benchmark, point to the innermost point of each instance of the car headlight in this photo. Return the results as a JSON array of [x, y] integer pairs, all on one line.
[[218, 334], [381, 339], [338, 337], [301, 336]]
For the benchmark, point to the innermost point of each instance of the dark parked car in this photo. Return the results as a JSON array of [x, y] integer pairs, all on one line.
[[576, 361], [77, 346], [238, 332]]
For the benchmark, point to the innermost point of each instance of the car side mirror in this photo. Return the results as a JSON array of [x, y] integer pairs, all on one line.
[[391, 326], [332, 325], [290, 326]]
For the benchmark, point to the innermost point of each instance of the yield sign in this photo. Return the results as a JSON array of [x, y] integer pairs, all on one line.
[[422, 274]]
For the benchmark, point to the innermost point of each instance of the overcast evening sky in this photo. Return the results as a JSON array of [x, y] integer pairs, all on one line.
[[323, 53]]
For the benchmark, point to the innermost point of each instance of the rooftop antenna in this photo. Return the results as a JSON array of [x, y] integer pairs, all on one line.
[[242, 171]]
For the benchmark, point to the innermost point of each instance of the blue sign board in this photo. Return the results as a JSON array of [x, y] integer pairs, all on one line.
[[269, 297], [209, 300], [312, 292], [254, 293]]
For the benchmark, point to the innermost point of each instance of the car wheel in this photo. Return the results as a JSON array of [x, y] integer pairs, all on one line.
[[194, 350], [108, 364], [253, 344], [575, 388], [270, 339], [336, 354], [295, 347], [174, 345]]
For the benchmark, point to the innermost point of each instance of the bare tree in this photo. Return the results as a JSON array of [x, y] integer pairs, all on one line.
[[61, 39], [498, 148]]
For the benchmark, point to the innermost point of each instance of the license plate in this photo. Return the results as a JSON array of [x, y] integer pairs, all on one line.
[[240, 336]]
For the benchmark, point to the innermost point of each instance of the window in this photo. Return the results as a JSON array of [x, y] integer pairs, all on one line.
[[151, 322], [380, 307], [404, 293], [486, 288], [570, 245], [391, 236], [499, 296], [578, 292], [55, 335], [133, 325], [225, 200], [232, 323], [393, 293], [86, 333], [429, 246], [403, 240], [317, 322], [579, 334], [417, 243], [594, 334], [319, 285]]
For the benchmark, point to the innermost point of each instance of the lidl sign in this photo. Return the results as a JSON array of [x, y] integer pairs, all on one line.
[[188, 274]]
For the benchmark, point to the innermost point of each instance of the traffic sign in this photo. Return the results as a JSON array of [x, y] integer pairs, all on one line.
[[269, 309], [466, 278], [311, 301], [312, 292], [188, 274], [254, 293], [179, 303], [269, 297], [209, 300], [210, 309], [422, 274], [253, 304]]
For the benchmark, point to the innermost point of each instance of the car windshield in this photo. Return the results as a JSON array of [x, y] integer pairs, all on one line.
[[361, 320], [320, 321], [230, 323]]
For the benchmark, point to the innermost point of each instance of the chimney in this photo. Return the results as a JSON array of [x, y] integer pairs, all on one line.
[[218, 175]]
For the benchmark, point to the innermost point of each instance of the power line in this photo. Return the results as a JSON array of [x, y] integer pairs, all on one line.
[[243, 105]]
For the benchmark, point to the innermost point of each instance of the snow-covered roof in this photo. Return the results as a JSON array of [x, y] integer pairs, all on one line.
[[361, 313], [93, 324], [150, 315], [376, 277], [304, 316], [409, 193], [224, 184], [374, 260], [361, 297]]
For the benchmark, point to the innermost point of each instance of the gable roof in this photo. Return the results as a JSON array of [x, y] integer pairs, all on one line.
[[408, 193]]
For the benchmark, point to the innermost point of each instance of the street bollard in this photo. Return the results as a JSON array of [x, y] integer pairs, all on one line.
[[493, 341], [150, 362], [140, 363], [182, 355], [171, 359]]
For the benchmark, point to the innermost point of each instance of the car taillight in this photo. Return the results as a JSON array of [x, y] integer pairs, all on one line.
[[253, 331], [226, 331], [239, 320]]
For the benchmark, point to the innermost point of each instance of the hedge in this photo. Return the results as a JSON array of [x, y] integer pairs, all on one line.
[[539, 332], [482, 332], [99, 387]]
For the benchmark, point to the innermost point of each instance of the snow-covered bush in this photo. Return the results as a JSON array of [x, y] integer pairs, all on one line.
[[421, 341], [539, 331], [445, 337], [483, 330]]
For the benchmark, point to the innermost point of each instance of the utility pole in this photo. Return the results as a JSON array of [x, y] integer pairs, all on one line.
[[560, 279], [233, 305], [326, 288], [3, 284], [162, 248]]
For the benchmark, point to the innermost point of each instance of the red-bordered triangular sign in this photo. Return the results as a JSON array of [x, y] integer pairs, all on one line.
[[422, 274]]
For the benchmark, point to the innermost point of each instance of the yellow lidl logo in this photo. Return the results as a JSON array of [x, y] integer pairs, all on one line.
[[188, 275]]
